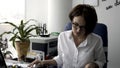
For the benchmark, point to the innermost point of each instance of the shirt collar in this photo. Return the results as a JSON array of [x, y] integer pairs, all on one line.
[[83, 44], [70, 34]]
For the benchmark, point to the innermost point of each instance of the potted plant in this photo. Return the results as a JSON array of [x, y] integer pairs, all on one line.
[[21, 36]]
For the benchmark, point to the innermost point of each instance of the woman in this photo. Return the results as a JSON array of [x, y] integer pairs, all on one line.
[[79, 46]]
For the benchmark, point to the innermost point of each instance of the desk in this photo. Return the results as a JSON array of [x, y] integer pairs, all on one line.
[[13, 62]]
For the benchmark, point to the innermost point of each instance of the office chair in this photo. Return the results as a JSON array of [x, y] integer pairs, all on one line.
[[101, 30]]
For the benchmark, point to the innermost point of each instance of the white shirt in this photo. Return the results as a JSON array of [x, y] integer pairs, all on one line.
[[70, 56]]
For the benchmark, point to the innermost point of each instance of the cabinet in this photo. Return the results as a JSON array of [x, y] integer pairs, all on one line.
[[48, 45]]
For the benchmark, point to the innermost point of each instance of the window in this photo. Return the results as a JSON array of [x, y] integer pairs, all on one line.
[[12, 10]]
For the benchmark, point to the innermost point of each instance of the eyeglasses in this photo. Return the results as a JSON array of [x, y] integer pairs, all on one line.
[[76, 25]]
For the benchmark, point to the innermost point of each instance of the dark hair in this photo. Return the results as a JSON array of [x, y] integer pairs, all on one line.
[[88, 13]]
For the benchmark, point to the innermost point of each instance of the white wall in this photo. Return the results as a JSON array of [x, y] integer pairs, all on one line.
[[58, 11], [52, 12], [75, 2], [37, 9], [111, 18]]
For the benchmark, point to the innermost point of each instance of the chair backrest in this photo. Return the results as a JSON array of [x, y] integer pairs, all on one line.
[[101, 30]]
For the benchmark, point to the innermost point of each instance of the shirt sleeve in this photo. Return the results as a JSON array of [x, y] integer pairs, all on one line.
[[99, 53], [58, 58]]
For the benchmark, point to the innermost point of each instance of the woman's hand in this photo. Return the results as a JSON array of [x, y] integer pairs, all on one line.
[[91, 65], [40, 63], [35, 62]]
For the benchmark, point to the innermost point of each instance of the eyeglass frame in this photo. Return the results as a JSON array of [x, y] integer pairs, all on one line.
[[76, 25]]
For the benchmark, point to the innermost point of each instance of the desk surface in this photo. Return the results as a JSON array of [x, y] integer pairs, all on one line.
[[13, 62]]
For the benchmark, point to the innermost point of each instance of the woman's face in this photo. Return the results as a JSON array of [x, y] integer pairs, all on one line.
[[78, 26]]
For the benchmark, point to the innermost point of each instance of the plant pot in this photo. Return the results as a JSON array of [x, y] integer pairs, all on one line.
[[22, 49]]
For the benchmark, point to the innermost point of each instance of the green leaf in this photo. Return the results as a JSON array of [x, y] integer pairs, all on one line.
[[22, 32], [12, 24]]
